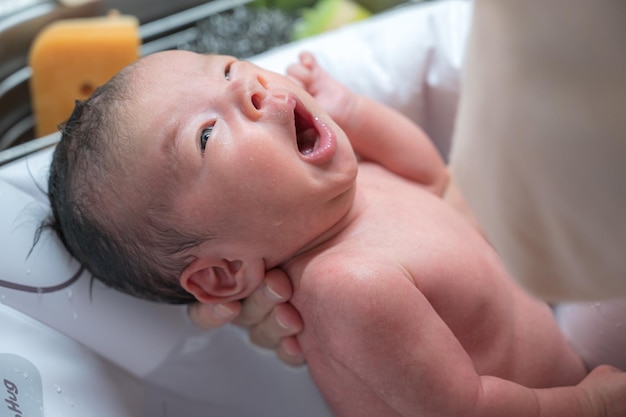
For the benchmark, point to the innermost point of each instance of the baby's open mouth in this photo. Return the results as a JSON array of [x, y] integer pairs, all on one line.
[[307, 135], [315, 140]]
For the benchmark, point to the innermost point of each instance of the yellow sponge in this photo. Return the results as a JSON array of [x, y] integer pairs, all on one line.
[[70, 58]]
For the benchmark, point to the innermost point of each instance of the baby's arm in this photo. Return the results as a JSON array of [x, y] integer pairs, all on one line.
[[387, 352], [377, 132]]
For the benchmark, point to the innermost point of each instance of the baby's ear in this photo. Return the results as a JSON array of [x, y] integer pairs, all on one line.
[[221, 280]]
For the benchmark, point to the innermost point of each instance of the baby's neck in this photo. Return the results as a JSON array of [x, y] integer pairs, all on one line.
[[337, 231]]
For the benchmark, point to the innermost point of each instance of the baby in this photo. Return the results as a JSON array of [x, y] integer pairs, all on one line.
[[188, 176]]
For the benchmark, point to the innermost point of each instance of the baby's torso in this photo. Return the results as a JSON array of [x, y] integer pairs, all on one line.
[[417, 236]]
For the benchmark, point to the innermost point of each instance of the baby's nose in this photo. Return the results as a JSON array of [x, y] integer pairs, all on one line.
[[251, 91]]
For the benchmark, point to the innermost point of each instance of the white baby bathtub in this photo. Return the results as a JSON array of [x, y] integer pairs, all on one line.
[[68, 349]]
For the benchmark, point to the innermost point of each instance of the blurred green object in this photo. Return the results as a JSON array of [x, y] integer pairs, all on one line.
[[328, 15], [373, 6], [287, 5], [376, 6]]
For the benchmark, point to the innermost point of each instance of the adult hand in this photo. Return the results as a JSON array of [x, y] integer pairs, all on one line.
[[272, 322]]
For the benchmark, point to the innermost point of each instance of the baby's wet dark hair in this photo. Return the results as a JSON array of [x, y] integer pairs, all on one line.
[[131, 249]]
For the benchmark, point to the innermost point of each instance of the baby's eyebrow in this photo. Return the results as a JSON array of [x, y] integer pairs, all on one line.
[[170, 148]]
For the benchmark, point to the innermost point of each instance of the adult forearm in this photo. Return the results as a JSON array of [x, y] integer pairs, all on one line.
[[539, 134]]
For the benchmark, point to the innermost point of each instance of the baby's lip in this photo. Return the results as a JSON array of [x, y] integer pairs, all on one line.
[[315, 139]]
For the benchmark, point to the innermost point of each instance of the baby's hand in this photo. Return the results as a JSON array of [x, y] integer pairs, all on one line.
[[605, 390], [334, 97]]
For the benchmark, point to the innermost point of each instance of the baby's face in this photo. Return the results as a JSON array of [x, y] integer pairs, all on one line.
[[244, 152]]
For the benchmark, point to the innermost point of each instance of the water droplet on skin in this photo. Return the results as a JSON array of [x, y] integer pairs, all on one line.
[[74, 315], [57, 388], [69, 294], [28, 271], [25, 375]]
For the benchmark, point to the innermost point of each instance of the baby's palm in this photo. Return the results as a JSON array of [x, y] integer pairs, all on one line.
[[333, 96]]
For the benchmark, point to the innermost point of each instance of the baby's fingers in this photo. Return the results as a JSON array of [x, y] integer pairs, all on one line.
[[606, 391], [307, 59], [303, 71], [300, 75]]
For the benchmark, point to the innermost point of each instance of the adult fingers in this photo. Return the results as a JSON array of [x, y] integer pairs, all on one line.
[[289, 352], [283, 321], [275, 289], [211, 316]]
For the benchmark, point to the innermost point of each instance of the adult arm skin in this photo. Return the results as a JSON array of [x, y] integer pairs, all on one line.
[[539, 147]]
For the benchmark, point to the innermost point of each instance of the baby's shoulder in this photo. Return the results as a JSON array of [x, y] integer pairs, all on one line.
[[347, 286], [367, 267], [346, 259]]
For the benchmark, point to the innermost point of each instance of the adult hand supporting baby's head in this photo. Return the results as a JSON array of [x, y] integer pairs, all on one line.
[[270, 319]]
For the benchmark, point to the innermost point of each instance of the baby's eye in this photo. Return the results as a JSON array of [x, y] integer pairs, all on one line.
[[204, 137], [227, 72]]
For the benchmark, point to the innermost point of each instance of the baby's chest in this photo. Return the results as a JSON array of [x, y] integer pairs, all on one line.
[[447, 260], [418, 231]]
